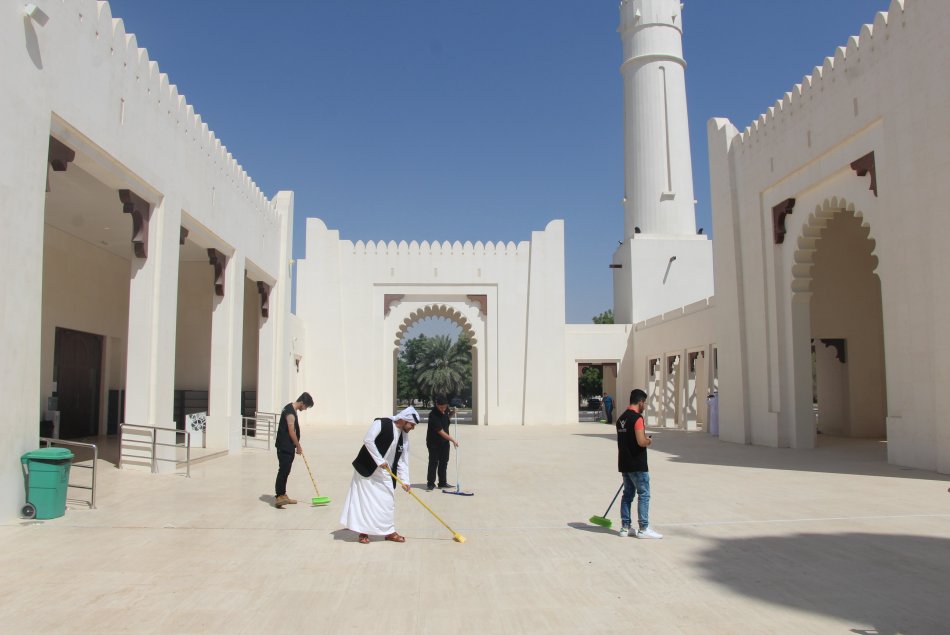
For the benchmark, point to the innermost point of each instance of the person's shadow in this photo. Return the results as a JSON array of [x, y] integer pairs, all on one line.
[[594, 529], [267, 498]]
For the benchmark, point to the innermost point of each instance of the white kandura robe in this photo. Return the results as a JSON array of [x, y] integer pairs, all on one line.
[[370, 505]]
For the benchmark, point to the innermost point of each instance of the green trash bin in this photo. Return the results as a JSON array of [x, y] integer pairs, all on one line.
[[47, 479]]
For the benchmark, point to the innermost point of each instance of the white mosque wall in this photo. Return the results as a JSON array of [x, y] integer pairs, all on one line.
[[351, 328], [658, 274], [672, 338], [73, 72], [876, 94]]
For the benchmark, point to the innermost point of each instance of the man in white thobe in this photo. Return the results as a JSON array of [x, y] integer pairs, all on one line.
[[370, 505]]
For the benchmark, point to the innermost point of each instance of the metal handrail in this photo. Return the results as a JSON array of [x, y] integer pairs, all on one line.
[[154, 443], [95, 461], [268, 418]]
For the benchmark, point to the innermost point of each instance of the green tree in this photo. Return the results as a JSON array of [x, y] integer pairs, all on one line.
[[590, 383], [405, 386], [442, 371], [411, 358], [607, 317]]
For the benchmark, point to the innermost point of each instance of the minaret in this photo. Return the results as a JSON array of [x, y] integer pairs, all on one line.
[[662, 263]]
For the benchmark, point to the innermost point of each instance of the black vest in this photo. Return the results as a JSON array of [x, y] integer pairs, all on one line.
[[364, 463]]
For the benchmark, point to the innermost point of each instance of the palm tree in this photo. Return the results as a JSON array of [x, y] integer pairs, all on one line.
[[442, 370]]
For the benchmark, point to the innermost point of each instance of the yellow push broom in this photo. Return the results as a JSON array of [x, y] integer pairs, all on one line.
[[457, 537], [316, 500]]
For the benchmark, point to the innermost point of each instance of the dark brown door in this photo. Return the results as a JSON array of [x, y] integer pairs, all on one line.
[[77, 365]]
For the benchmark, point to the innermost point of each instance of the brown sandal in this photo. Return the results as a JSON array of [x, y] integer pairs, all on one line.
[[364, 539], [394, 537]]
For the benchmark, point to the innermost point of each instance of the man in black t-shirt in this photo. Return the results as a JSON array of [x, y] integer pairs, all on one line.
[[287, 444], [632, 443], [437, 441]]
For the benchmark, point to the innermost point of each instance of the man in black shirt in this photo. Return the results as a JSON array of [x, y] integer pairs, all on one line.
[[632, 443], [287, 444], [437, 441]]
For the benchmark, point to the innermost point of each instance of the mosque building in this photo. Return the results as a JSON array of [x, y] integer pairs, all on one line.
[[148, 276]]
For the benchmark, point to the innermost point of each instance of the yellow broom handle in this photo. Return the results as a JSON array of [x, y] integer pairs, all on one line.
[[398, 480], [307, 463]]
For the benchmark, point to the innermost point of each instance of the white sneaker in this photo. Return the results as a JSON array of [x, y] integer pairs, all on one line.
[[649, 534], [624, 532]]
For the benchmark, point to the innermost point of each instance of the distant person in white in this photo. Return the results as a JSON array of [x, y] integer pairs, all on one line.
[[370, 505]]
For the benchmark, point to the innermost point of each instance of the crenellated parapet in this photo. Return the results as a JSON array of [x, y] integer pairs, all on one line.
[[850, 58], [141, 77], [435, 248]]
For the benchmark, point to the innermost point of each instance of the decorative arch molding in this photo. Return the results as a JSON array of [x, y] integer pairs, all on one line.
[[438, 311], [811, 234]]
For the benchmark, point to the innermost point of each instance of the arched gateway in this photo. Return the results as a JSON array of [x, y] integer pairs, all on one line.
[[356, 300]]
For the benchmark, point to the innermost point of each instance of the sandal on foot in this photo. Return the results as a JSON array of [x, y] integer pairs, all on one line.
[[394, 537], [363, 539]]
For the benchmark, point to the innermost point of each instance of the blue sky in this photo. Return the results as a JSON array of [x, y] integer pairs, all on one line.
[[476, 120]]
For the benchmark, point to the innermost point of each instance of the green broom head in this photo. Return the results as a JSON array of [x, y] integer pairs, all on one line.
[[600, 520], [320, 500]]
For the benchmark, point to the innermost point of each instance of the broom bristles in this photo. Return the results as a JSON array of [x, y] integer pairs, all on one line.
[[600, 520]]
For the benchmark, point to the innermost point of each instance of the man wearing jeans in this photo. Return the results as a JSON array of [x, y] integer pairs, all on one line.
[[632, 443]]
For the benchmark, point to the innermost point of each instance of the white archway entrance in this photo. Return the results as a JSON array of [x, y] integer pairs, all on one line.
[[835, 280], [467, 312]]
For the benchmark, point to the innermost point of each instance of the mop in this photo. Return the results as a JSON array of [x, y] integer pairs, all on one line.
[[316, 500], [603, 521], [458, 489], [457, 537]]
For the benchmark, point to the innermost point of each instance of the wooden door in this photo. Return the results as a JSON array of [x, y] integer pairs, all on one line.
[[77, 370]]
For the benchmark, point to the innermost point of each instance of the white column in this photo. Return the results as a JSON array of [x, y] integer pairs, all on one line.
[[267, 365], [797, 416], [23, 183], [227, 335], [274, 346], [153, 306]]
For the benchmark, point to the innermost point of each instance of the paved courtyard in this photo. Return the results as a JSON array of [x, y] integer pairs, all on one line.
[[758, 540]]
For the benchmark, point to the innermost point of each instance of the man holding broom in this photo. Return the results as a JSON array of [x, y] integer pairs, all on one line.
[[370, 505], [288, 443], [632, 443]]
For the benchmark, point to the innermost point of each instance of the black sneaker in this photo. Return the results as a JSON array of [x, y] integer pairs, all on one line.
[[445, 486], [430, 487]]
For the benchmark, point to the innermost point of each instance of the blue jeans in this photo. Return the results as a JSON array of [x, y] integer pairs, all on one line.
[[635, 484]]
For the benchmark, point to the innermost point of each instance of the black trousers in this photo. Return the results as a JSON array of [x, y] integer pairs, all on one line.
[[285, 460], [438, 461]]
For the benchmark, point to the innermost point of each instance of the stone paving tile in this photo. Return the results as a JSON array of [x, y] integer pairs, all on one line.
[[758, 540]]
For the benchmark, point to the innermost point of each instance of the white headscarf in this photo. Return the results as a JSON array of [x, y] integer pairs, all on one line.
[[409, 414]]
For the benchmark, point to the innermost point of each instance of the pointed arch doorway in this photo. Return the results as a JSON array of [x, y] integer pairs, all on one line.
[[468, 313], [843, 333]]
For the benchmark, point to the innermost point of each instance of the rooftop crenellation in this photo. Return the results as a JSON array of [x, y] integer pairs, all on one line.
[[437, 248], [837, 63], [133, 62]]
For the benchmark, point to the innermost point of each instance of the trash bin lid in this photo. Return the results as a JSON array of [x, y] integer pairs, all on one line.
[[48, 454]]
